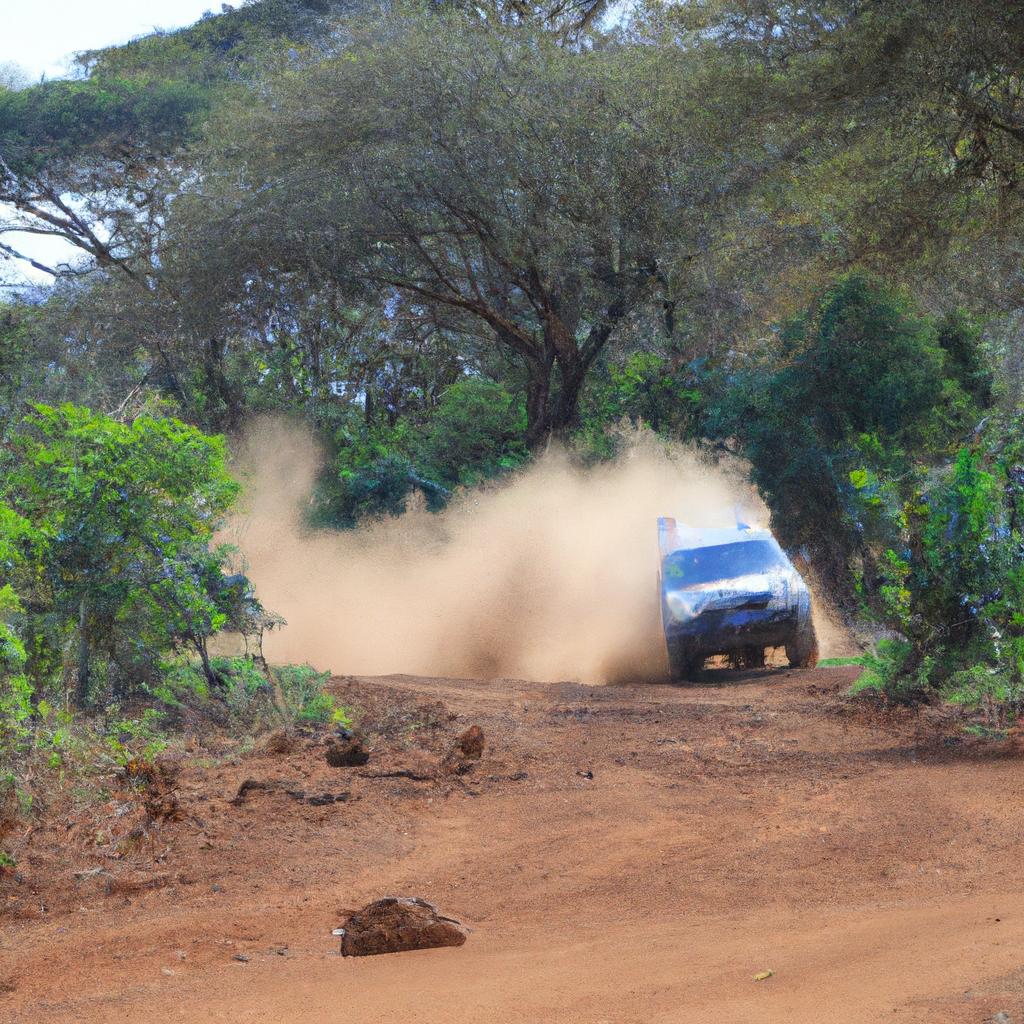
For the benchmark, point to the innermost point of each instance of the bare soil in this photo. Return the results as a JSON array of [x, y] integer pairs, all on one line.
[[620, 854]]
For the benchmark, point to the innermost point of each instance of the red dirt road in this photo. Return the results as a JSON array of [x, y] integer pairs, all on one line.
[[757, 822]]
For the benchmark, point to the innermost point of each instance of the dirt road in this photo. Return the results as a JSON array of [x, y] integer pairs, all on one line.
[[872, 862]]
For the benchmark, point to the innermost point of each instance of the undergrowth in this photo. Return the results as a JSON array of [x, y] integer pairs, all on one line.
[[63, 757]]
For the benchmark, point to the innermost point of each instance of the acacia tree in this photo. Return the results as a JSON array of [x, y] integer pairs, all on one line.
[[536, 195]]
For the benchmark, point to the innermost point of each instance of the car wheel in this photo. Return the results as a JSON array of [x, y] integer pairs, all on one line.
[[685, 664], [802, 650]]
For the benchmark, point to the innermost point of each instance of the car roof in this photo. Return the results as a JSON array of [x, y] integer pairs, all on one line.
[[676, 536]]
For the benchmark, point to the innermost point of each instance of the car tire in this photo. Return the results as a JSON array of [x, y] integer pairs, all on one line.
[[802, 650], [685, 665]]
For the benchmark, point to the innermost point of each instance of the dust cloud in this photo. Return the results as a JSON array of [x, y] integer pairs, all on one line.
[[550, 575]]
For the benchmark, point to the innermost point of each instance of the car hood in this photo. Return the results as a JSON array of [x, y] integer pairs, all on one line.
[[771, 590]]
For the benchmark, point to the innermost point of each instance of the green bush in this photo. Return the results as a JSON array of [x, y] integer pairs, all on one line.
[[867, 391], [130, 739], [473, 433], [302, 688], [885, 671]]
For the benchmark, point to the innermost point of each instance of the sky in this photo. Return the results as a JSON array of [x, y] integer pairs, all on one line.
[[41, 36]]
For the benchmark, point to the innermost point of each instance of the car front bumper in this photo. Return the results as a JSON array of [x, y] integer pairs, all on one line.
[[722, 631]]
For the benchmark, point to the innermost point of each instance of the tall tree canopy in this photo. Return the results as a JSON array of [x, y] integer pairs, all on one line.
[[524, 193]]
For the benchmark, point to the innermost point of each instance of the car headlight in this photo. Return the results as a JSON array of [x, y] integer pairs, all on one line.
[[683, 605]]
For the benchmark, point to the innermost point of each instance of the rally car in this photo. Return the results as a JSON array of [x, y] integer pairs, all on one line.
[[730, 591]]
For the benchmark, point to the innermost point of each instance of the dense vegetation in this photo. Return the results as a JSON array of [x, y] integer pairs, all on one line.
[[445, 234]]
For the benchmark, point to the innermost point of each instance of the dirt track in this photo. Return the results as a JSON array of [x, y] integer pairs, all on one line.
[[873, 863]]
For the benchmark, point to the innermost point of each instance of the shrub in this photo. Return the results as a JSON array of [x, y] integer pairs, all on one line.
[[885, 671], [302, 688], [472, 433]]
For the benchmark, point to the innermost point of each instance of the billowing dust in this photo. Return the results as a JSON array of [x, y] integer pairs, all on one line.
[[551, 575]]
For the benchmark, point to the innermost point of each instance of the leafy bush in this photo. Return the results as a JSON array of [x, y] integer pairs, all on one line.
[[645, 387], [952, 585], [247, 696], [302, 688], [116, 559], [130, 739], [473, 433], [885, 671]]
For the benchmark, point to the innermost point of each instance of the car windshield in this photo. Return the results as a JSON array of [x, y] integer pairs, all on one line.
[[723, 562]]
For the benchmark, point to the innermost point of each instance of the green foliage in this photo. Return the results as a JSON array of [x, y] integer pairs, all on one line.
[[954, 587], [129, 739], [244, 695], [63, 119], [474, 432], [830, 432], [122, 516], [302, 688], [664, 394], [884, 670], [148, 95], [16, 691]]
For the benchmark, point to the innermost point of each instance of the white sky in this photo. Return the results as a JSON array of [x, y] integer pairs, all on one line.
[[40, 35]]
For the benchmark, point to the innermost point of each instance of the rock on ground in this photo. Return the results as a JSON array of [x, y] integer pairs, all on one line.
[[396, 924], [467, 748], [471, 743]]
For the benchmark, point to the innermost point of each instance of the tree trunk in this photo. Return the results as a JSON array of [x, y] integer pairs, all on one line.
[[218, 386], [564, 416], [538, 414], [538, 401], [574, 359], [212, 679], [83, 680]]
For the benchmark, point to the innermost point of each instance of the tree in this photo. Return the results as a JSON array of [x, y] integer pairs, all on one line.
[[94, 160], [529, 195], [124, 515], [905, 118], [866, 390], [13, 75]]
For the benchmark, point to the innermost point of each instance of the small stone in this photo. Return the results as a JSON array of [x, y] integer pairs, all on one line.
[[471, 743], [467, 748], [320, 801], [241, 958]]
